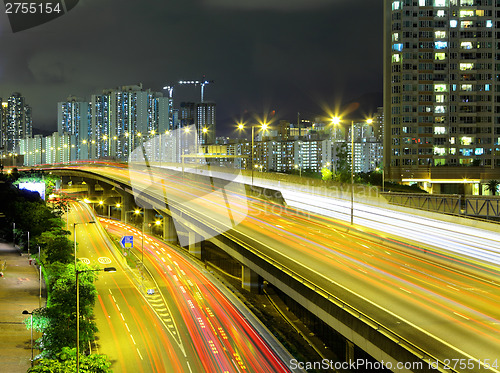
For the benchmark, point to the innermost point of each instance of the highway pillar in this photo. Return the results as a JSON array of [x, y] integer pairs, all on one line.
[[149, 216], [90, 188], [194, 245], [169, 232], [349, 351], [126, 206], [249, 279]]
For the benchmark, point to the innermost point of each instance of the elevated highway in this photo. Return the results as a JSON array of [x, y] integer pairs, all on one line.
[[399, 305]]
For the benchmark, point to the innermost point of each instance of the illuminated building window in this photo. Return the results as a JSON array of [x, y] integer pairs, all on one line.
[[453, 23], [440, 3], [466, 13], [439, 34], [440, 98], [479, 151], [439, 150], [440, 56], [440, 88], [465, 151], [466, 45], [466, 24], [439, 130], [397, 47], [395, 57], [440, 13], [466, 66], [466, 140], [396, 5], [489, 23], [466, 87], [395, 36], [440, 45], [439, 109]]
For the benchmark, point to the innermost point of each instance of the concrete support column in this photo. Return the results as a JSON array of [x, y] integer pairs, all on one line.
[[349, 351], [169, 232], [149, 216], [194, 245], [250, 280], [126, 206], [90, 188]]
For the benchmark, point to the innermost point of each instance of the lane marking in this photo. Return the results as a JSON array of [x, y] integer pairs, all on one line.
[[466, 318]]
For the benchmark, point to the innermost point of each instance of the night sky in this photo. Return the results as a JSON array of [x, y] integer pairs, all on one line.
[[285, 55]]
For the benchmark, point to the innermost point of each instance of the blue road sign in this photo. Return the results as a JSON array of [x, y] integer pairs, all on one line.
[[127, 242]]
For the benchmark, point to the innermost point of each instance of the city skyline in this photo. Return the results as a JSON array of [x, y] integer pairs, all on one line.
[[280, 56]]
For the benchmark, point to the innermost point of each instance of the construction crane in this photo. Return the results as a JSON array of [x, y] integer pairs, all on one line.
[[202, 83], [170, 89]]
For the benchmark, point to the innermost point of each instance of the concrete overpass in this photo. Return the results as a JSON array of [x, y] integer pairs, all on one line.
[[329, 300]]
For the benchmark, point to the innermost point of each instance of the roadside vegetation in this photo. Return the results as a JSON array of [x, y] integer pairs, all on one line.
[[22, 211]]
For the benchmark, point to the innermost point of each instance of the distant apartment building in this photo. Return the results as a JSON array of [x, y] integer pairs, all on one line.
[[202, 115], [441, 93], [73, 118], [16, 123], [368, 147], [115, 122]]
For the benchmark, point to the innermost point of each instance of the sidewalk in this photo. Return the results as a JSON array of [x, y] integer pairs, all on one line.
[[19, 291]]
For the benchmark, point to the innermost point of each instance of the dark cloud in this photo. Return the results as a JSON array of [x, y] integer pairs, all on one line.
[[280, 5], [289, 55]]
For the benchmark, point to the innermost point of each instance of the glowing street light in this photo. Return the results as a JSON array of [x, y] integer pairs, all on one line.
[[263, 127], [336, 121]]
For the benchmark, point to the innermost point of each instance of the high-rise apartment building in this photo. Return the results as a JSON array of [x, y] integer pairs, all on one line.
[[442, 93], [121, 119], [16, 123], [73, 118], [202, 115]]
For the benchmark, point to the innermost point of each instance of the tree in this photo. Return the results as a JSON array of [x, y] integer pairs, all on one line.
[[343, 166], [326, 174], [492, 186], [60, 327], [55, 246]]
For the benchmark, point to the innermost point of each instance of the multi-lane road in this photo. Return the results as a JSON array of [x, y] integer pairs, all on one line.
[[450, 314], [187, 325]]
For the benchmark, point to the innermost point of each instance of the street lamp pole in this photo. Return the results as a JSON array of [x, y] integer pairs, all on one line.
[[74, 237], [25, 312], [352, 172], [251, 151], [40, 269]]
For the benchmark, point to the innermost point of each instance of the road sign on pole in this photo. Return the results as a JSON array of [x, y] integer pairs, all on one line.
[[127, 242]]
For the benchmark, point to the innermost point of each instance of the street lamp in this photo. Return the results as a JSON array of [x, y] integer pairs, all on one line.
[[77, 272], [263, 127], [138, 212], [74, 233], [25, 312], [205, 132], [336, 121]]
